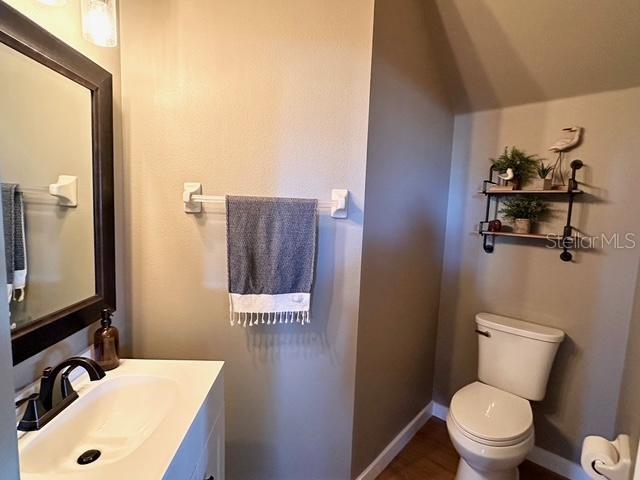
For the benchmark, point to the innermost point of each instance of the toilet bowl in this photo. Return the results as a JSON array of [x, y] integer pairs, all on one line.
[[490, 421], [492, 430]]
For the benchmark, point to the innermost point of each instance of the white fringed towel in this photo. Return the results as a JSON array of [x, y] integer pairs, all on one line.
[[271, 249]]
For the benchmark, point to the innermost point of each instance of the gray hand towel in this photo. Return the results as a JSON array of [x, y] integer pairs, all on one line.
[[14, 240], [271, 248]]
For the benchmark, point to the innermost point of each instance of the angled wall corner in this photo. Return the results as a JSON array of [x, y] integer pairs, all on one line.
[[408, 163]]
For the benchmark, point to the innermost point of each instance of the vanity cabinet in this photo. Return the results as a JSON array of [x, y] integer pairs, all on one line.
[[201, 455], [210, 466]]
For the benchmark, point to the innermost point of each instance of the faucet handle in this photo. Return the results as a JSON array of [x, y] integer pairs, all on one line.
[[20, 402], [32, 418], [46, 384], [46, 376]]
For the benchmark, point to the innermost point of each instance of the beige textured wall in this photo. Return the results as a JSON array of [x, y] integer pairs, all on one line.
[[409, 155], [64, 22], [40, 110], [256, 98], [590, 299]]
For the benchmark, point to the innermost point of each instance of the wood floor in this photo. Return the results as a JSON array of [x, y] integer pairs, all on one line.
[[431, 456]]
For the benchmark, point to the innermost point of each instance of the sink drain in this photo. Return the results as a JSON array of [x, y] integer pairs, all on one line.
[[89, 456]]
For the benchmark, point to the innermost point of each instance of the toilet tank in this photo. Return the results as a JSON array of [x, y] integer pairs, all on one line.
[[516, 356]]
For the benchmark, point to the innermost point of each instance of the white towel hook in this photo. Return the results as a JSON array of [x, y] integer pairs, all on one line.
[[66, 189], [191, 205], [340, 199]]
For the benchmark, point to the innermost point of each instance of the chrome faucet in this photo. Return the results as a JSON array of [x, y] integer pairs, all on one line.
[[40, 409]]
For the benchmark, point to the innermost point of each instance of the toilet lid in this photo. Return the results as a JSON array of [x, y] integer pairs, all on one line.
[[491, 414]]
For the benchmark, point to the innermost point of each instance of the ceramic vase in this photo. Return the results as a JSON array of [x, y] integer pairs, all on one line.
[[522, 225]]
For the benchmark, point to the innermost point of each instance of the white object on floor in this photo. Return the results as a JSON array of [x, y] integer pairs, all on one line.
[[604, 459], [539, 456], [490, 421]]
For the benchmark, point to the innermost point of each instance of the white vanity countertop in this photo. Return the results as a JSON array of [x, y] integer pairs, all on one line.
[[137, 416]]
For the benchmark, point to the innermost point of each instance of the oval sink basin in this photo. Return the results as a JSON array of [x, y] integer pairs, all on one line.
[[135, 417]]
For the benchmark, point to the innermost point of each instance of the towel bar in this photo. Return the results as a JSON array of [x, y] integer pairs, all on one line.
[[65, 189], [193, 200]]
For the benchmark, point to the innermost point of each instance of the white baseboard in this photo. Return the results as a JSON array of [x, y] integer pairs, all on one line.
[[440, 411], [541, 457], [557, 464], [397, 444]]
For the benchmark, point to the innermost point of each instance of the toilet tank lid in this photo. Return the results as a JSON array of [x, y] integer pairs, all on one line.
[[520, 327]]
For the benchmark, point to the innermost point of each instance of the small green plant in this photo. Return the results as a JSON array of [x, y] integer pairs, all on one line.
[[543, 170], [523, 165], [531, 208]]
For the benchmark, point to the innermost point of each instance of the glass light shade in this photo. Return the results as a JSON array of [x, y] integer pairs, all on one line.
[[54, 3], [99, 22]]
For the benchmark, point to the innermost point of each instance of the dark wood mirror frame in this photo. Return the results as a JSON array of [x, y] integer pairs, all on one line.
[[28, 38]]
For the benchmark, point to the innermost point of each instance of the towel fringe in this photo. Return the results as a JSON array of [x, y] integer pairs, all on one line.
[[251, 319]]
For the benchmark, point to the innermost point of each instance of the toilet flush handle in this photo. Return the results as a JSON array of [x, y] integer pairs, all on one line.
[[486, 334]]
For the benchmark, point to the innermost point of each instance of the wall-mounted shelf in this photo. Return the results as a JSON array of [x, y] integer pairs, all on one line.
[[565, 239], [531, 192], [535, 236]]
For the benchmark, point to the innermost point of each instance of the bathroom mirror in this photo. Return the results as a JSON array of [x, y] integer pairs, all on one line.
[[56, 170]]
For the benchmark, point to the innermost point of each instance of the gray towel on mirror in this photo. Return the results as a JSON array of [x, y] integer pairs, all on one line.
[[271, 249], [14, 240]]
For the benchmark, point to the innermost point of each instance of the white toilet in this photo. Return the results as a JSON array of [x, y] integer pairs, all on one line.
[[490, 421]]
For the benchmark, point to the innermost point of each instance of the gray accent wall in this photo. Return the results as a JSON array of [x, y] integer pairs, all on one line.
[[590, 299], [408, 163]]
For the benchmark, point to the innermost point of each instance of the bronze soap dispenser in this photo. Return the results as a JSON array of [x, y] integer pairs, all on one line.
[[106, 343]]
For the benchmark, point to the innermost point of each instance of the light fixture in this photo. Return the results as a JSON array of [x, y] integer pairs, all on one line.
[[99, 22], [54, 3]]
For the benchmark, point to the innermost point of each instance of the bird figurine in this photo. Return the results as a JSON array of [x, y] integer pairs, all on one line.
[[508, 175], [562, 146]]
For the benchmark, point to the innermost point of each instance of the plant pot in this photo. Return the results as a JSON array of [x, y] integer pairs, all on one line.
[[542, 184], [522, 225]]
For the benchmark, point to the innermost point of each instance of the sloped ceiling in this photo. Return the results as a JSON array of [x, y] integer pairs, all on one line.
[[497, 53]]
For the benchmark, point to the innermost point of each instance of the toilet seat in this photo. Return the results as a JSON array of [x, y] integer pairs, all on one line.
[[491, 416]]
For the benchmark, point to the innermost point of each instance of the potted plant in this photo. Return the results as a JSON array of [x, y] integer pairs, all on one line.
[[518, 163], [543, 182], [524, 210]]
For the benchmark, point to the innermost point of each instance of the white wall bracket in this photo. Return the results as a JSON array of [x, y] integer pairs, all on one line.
[[340, 206], [190, 189], [66, 190]]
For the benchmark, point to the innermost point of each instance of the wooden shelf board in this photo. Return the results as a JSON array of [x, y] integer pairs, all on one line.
[[537, 236], [530, 192]]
